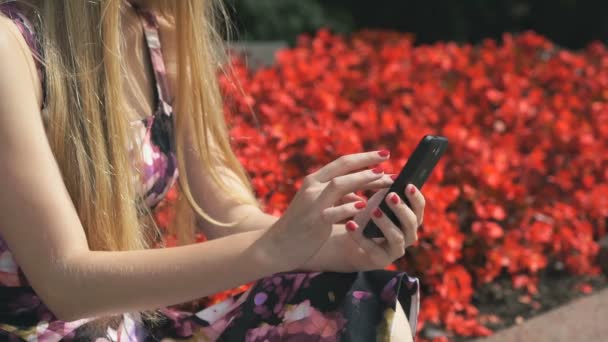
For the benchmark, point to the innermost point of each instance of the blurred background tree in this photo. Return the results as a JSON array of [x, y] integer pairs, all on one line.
[[285, 19], [570, 23]]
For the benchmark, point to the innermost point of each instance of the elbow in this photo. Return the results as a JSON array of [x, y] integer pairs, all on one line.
[[66, 314], [64, 293], [62, 303]]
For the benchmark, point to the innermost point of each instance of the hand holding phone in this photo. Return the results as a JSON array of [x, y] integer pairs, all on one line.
[[416, 171]]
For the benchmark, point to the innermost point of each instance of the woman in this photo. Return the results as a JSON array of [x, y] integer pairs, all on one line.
[[96, 119]]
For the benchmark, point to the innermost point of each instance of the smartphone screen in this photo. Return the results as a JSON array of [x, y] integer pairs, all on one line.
[[416, 171]]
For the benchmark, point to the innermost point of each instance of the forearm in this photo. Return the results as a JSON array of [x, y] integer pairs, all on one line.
[[251, 219], [102, 283], [325, 260], [256, 220]]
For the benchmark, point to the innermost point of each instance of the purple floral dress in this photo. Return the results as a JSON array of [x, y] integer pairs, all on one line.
[[287, 306]]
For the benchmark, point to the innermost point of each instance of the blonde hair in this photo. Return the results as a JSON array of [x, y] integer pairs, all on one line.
[[86, 123]]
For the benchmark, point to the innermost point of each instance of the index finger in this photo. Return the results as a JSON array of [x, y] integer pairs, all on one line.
[[349, 163]]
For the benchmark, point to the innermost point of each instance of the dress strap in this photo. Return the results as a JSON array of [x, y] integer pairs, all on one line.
[[151, 27]]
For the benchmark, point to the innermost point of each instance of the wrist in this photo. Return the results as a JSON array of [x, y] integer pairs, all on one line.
[[271, 251], [327, 258]]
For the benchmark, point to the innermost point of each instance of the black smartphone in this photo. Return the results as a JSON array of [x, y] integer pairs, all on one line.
[[416, 171]]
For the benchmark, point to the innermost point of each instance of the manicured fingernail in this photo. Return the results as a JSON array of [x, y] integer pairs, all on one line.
[[384, 153], [360, 205], [412, 189], [394, 198], [377, 170], [394, 177], [351, 226], [377, 212]]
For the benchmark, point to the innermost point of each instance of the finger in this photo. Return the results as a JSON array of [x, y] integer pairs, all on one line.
[[395, 239], [385, 182], [342, 185], [377, 253], [342, 212], [350, 163], [417, 202], [407, 218], [352, 197]]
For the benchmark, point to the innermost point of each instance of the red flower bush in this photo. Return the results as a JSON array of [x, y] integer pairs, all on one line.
[[524, 183]]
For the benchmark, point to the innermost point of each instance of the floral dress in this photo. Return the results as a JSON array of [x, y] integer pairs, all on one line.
[[298, 306]]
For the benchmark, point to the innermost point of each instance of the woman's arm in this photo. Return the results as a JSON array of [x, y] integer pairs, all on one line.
[[219, 205], [40, 225], [328, 255]]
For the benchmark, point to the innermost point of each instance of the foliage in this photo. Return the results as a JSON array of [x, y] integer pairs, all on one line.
[[431, 21], [524, 183], [285, 19]]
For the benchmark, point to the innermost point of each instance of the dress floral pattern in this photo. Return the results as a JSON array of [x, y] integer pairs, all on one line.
[[296, 306]]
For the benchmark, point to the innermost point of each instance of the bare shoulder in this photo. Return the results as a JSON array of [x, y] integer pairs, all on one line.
[[14, 48], [9, 34]]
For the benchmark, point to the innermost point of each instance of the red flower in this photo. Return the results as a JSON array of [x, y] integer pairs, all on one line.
[[525, 177], [489, 230]]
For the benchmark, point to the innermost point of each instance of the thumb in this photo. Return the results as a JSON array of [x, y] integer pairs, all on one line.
[[363, 216], [352, 197]]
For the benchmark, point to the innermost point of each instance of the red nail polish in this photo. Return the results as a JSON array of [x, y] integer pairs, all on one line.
[[394, 198], [412, 189], [394, 177], [351, 226], [377, 170], [377, 212], [360, 205], [384, 153]]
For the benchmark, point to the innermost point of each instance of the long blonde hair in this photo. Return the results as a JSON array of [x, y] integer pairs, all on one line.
[[85, 114]]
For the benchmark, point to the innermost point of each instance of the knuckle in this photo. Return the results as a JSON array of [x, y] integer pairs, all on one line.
[[396, 253], [401, 246], [413, 221], [335, 184], [307, 181], [413, 225], [422, 201], [310, 193], [325, 217], [412, 239], [399, 252], [409, 217], [342, 160], [400, 240], [349, 161]]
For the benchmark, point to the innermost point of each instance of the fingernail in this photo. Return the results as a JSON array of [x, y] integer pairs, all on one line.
[[351, 226], [394, 177], [384, 153], [377, 212], [412, 189], [377, 170], [360, 205], [394, 198]]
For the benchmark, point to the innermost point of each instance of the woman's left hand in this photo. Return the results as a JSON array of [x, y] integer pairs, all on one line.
[[359, 253]]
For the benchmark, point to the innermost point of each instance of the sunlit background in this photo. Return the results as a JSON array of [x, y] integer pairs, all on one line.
[[517, 212]]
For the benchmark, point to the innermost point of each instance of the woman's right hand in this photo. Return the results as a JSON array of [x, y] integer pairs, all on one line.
[[308, 221]]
